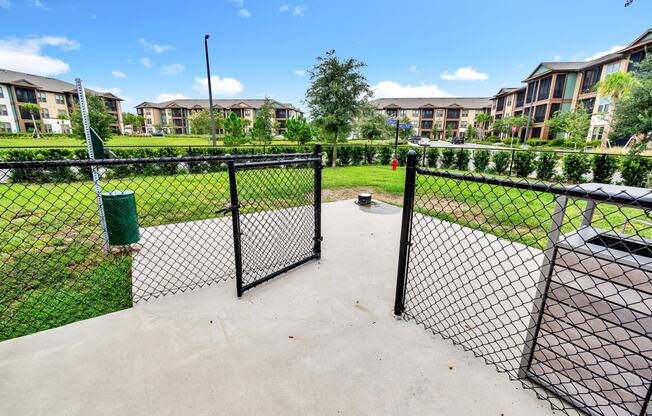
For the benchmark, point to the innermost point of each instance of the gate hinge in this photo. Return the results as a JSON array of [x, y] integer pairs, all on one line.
[[230, 208]]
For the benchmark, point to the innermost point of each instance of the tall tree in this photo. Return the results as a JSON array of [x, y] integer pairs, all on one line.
[[262, 130], [434, 133], [200, 121], [574, 123], [299, 130], [136, 121], [405, 134], [32, 109], [337, 92], [483, 120], [372, 127], [234, 129], [616, 84], [100, 117]]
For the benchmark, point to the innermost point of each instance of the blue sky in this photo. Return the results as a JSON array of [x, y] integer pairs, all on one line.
[[146, 50]]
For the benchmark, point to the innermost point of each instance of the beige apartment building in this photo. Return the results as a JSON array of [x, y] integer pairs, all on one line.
[[445, 113], [55, 98], [172, 116], [562, 86]]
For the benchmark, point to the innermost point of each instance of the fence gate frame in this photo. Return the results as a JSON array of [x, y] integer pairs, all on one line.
[[316, 161]]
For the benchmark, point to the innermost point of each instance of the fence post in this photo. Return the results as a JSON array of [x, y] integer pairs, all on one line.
[[406, 224], [317, 202], [235, 216]]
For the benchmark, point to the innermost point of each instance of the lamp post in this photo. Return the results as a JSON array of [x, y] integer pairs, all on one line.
[[210, 91]]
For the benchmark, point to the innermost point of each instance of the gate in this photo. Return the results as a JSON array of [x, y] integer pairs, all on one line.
[[276, 213], [550, 284]]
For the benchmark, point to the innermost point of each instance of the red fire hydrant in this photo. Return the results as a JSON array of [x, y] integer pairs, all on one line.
[[394, 164]]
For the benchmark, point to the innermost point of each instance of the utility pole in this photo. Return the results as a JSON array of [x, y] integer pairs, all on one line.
[[210, 91]]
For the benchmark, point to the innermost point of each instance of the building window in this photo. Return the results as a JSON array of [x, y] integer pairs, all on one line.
[[453, 113], [403, 113], [591, 77], [392, 112], [554, 108], [45, 113], [520, 98], [3, 110], [415, 113], [24, 95], [531, 91], [452, 125], [48, 128], [148, 121], [426, 125], [41, 97], [5, 127], [588, 104], [560, 82], [59, 99], [498, 116], [463, 124], [597, 133], [508, 103], [500, 105], [536, 132], [62, 112], [540, 113], [440, 113], [544, 88], [427, 113], [635, 59], [603, 104], [440, 125], [465, 113], [2, 93], [247, 113], [613, 67]]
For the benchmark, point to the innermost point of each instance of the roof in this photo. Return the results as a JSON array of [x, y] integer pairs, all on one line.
[[191, 103], [505, 91], [22, 79], [436, 102]]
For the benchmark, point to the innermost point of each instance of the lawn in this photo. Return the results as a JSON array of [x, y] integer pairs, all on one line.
[[54, 271]]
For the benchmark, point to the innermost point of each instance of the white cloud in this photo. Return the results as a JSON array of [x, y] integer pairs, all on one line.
[[299, 10], [220, 86], [5, 4], [26, 55], [300, 72], [173, 69], [284, 8], [154, 47], [118, 74], [244, 13], [113, 90], [600, 54], [414, 69], [391, 89], [169, 96], [466, 73], [146, 62]]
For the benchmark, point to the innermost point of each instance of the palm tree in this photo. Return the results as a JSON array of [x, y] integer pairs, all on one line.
[[483, 119], [616, 84], [32, 108]]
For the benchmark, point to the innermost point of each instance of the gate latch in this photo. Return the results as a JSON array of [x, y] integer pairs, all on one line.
[[230, 208]]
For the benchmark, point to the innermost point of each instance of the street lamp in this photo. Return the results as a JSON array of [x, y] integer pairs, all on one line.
[[210, 91]]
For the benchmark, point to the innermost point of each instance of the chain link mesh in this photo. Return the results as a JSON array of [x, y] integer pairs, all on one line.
[[539, 285], [54, 268]]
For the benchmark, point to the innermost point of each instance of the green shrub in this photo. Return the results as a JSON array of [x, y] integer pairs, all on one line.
[[545, 165], [575, 166], [603, 167], [501, 161], [357, 155], [462, 159], [401, 155], [491, 139], [344, 155], [636, 170], [558, 142], [509, 141], [536, 142], [369, 154], [524, 163], [448, 158], [481, 160], [432, 157], [385, 155]]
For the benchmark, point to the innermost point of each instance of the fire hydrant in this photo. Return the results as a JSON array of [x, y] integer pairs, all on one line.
[[394, 164]]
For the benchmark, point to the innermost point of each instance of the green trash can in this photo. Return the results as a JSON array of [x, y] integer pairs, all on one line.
[[121, 217]]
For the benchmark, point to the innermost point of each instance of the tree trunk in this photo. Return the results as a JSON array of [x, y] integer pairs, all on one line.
[[334, 163], [36, 130]]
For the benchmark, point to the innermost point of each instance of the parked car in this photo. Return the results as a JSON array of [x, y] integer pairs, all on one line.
[[158, 134], [457, 140], [424, 142], [415, 139]]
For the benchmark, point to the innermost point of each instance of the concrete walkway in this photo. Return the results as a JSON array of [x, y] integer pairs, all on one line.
[[320, 340]]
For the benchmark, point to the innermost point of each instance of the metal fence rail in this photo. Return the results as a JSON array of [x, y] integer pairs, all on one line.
[[540, 280], [167, 222]]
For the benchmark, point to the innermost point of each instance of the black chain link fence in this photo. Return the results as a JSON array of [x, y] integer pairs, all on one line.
[[550, 284], [166, 220]]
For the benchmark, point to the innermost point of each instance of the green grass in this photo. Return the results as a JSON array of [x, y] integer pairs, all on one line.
[[54, 271]]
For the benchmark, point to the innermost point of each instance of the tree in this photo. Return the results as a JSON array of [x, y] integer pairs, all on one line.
[[100, 118], [574, 123], [483, 120], [234, 128], [338, 90], [434, 133], [299, 130], [616, 84], [262, 130], [32, 109], [471, 133], [633, 112], [372, 127], [405, 134], [135, 120]]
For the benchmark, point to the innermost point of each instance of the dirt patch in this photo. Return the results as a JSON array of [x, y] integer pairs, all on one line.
[[341, 194]]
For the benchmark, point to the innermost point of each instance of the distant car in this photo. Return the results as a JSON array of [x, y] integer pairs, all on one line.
[[424, 142], [457, 140], [415, 139], [158, 134]]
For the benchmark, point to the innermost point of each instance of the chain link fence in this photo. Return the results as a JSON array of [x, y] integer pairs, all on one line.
[[159, 226], [549, 284]]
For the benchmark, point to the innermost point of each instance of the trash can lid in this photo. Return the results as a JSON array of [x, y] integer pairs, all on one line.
[[117, 192]]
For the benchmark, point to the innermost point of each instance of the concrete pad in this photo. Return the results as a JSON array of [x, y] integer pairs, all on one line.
[[320, 340]]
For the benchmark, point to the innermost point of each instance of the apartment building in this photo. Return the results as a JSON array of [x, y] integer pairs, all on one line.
[[172, 116], [562, 86], [445, 113], [55, 98]]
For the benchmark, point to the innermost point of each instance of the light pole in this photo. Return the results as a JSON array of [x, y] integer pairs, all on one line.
[[210, 91]]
